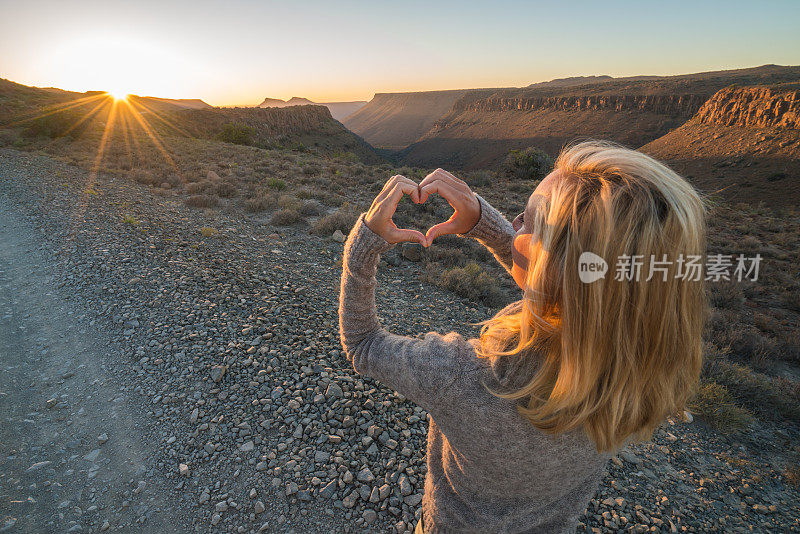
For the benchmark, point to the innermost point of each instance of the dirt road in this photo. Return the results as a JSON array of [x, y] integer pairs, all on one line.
[[71, 457]]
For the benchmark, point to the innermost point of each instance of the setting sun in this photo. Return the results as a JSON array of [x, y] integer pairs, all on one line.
[[118, 95]]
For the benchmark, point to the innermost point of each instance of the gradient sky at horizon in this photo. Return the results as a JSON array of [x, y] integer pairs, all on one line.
[[240, 51]]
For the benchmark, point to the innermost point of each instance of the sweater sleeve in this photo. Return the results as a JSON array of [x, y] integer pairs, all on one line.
[[494, 232], [421, 369]]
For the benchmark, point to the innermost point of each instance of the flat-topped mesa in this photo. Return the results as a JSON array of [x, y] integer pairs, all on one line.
[[754, 107], [675, 105]]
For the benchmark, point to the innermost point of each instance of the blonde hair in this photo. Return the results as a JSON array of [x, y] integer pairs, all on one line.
[[616, 356]]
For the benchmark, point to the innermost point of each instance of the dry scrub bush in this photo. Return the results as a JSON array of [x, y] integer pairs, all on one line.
[[260, 202], [285, 217], [342, 219], [471, 282], [311, 208], [716, 405], [201, 201]]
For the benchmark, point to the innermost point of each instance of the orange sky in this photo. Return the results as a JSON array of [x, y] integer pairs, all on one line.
[[239, 52]]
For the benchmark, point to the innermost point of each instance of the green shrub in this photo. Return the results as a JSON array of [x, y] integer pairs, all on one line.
[[342, 219], [237, 133], [69, 122], [528, 164], [276, 183]]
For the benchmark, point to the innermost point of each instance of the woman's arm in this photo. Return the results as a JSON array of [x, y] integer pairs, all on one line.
[[495, 232], [420, 369]]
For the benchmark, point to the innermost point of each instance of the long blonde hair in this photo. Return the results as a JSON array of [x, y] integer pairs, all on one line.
[[617, 355]]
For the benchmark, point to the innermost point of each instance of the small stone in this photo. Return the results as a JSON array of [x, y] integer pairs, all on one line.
[[92, 456], [334, 391], [183, 469], [215, 519], [217, 372], [102, 438], [259, 507], [338, 236], [329, 490], [413, 500], [405, 486], [350, 500], [365, 476], [204, 497], [247, 446], [369, 516], [411, 251]]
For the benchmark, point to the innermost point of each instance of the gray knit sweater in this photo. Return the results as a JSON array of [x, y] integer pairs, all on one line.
[[489, 469]]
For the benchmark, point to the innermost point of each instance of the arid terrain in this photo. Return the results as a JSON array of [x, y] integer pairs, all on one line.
[[169, 278]]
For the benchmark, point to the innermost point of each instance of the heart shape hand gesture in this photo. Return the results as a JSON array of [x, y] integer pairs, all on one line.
[[466, 207]]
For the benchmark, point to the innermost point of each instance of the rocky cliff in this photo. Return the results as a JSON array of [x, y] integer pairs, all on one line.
[[313, 126], [743, 143], [674, 105], [758, 107]]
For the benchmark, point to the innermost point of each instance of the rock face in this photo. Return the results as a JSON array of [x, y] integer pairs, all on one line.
[[744, 142], [310, 125], [339, 110], [675, 105], [758, 107]]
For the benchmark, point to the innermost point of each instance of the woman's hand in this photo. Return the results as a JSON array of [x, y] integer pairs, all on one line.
[[379, 217], [467, 208]]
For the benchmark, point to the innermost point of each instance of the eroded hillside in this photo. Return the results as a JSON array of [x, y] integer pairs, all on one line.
[[482, 126], [743, 143], [395, 120]]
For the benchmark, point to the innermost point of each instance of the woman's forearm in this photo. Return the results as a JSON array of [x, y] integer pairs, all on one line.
[[495, 232]]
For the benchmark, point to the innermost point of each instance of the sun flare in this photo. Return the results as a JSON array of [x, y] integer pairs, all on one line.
[[118, 95]]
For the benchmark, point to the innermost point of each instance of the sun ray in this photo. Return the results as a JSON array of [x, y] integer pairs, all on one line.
[[155, 140], [138, 102], [52, 111], [90, 114]]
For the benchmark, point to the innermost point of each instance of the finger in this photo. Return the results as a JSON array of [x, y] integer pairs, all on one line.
[[412, 183], [399, 235], [443, 175], [389, 204], [447, 190], [445, 228], [389, 185]]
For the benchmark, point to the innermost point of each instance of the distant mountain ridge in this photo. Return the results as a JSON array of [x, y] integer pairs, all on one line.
[[482, 126], [339, 110]]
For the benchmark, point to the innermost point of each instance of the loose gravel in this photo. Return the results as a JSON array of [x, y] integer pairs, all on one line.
[[226, 343]]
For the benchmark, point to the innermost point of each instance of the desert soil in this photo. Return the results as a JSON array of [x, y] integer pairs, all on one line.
[[157, 379]]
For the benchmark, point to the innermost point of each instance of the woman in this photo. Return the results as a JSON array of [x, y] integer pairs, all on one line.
[[523, 420]]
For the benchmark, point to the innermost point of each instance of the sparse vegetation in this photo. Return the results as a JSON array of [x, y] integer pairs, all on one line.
[[237, 133], [528, 164], [207, 231], [473, 281], [286, 217], [716, 405], [201, 201], [342, 219]]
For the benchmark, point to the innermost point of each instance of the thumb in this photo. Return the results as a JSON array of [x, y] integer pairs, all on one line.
[[404, 235], [435, 231]]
